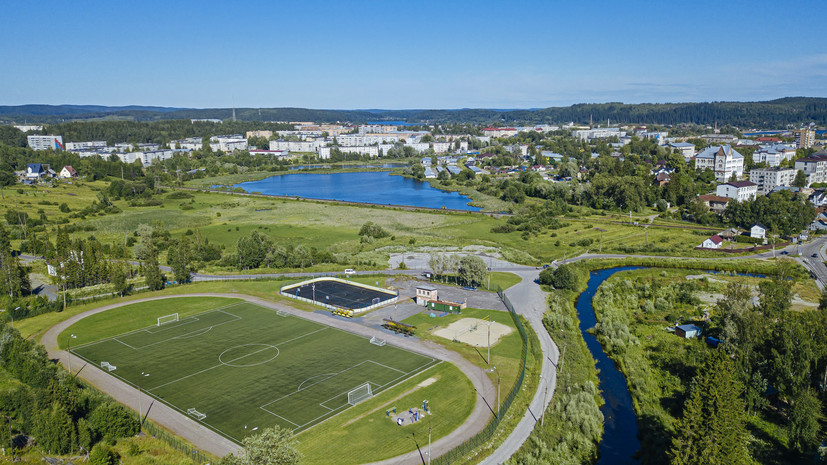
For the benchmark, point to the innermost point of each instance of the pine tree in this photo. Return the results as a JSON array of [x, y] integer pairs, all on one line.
[[712, 430]]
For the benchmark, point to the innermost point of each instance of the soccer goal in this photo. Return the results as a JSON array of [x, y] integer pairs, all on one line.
[[108, 366], [167, 319], [376, 341], [196, 414], [360, 394], [282, 313], [375, 301]]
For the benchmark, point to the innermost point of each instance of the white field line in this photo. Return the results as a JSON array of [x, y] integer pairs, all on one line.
[[224, 363], [124, 343], [145, 329]]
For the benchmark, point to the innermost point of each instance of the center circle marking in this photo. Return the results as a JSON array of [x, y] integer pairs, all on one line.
[[238, 362]]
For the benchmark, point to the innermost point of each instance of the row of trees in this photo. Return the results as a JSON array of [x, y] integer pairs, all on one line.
[[59, 413], [469, 270]]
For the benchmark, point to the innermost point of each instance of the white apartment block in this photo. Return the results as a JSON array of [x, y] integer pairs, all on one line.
[[660, 137], [442, 147], [773, 155], [684, 148], [28, 127], [77, 146], [814, 166], [738, 190], [500, 132], [45, 142], [296, 146], [370, 150], [768, 179], [721, 159], [146, 158], [599, 133], [189, 144], [419, 147], [228, 144], [264, 134]]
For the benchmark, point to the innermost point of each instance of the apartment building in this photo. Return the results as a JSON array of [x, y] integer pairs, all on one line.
[[768, 179], [738, 190], [49, 142], [814, 166], [804, 138]]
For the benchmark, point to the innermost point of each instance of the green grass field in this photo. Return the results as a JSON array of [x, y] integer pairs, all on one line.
[[245, 365]]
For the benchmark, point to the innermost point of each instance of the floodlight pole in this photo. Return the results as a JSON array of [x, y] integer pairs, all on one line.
[[314, 292], [489, 343], [140, 407], [429, 439], [69, 351]]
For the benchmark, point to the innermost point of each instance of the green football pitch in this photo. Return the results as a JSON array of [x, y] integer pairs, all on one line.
[[245, 367]]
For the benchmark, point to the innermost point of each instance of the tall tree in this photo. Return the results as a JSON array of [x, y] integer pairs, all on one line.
[[179, 258], [154, 278], [712, 430], [472, 270]]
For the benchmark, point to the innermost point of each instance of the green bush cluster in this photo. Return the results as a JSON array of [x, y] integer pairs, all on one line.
[[58, 412]]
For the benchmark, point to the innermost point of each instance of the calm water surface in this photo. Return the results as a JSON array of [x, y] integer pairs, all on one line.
[[371, 187], [620, 441]]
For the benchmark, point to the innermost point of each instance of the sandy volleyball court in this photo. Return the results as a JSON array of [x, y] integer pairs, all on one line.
[[474, 331]]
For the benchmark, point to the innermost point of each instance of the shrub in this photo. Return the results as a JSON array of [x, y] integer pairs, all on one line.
[[103, 455]]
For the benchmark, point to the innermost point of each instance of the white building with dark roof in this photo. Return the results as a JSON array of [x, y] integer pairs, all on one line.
[[723, 160], [737, 190]]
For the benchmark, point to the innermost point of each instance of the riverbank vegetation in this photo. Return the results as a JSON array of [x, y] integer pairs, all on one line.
[[572, 425], [778, 355]]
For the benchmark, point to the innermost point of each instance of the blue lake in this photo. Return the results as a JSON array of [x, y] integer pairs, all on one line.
[[377, 187]]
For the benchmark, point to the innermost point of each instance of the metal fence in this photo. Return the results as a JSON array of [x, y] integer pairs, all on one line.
[[177, 444], [491, 428]]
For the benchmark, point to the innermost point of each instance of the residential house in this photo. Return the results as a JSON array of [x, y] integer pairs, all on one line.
[[68, 172], [716, 203], [712, 242], [758, 231], [723, 160], [35, 171], [738, 190]]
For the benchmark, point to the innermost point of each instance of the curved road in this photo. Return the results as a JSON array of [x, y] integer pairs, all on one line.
[[210, 441], [528, 300]]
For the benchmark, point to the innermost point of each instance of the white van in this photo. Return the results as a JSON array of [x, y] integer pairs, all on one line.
[[349, 271]]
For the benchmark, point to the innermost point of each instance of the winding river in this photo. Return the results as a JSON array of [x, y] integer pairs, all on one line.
[[620, 433]]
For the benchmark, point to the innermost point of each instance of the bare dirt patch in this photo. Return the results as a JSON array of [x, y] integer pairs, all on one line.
[[474, 331]]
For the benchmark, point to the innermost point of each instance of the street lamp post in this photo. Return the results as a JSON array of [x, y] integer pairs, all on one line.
[[69, 351]]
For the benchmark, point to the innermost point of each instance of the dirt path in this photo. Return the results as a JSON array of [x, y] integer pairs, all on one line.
[[210, 441]]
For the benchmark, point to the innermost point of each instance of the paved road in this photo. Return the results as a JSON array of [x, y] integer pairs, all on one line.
[[207, 440], [530, 301]]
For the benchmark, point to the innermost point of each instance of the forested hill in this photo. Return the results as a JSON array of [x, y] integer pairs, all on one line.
[[770, 114]]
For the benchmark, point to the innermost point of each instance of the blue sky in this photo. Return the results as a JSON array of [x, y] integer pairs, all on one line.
[[422, 54]]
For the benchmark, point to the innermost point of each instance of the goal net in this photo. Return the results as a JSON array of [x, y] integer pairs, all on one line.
[[196, 414], [360, 394], [282, 313], [375, 300], [375, 340], [167, 319], [108, 366]]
